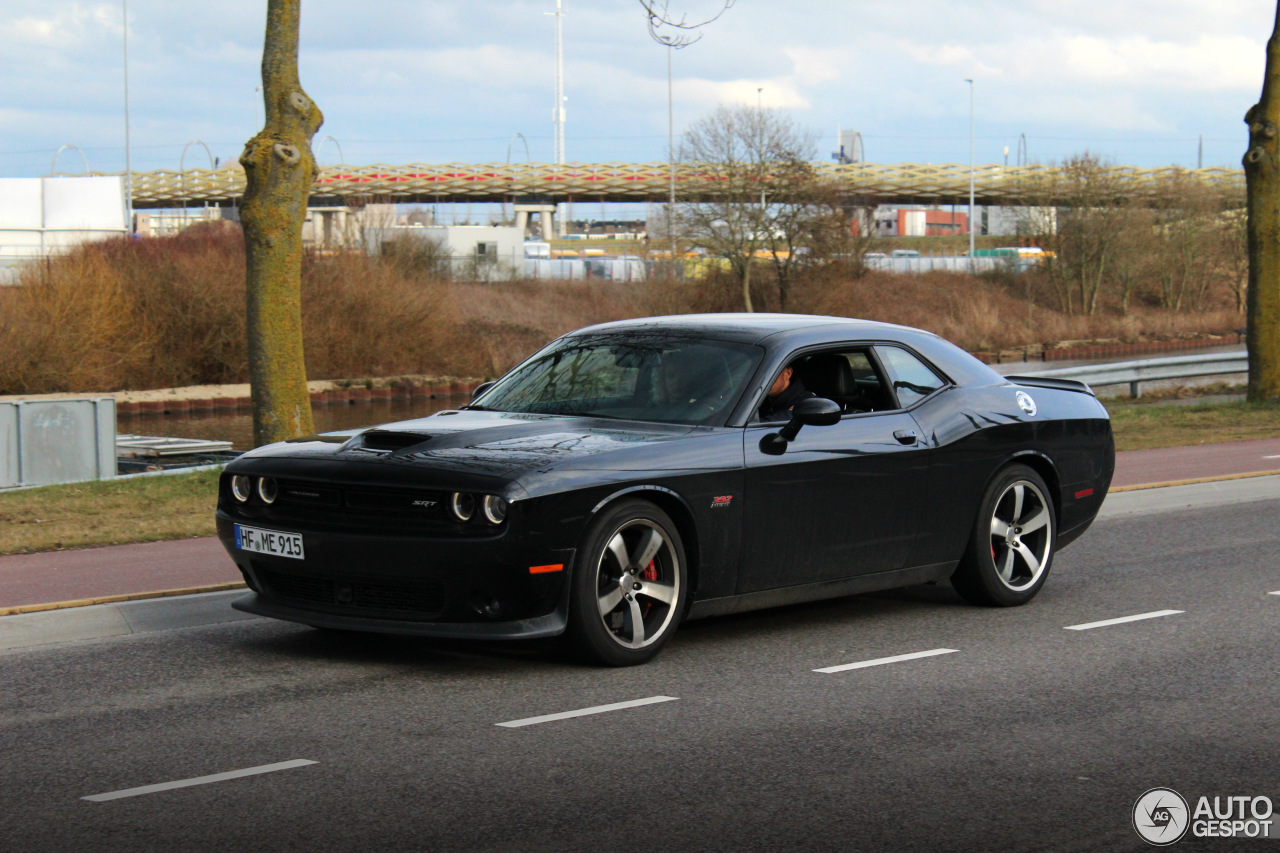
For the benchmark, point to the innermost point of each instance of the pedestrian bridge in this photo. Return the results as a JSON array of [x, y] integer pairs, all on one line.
[[860, 183]]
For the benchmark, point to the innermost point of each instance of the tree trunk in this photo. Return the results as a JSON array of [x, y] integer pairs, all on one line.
[[746, 287], [1262, 177], [279, 169]]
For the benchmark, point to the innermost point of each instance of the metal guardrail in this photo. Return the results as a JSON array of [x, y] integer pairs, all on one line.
[[1134, 373]]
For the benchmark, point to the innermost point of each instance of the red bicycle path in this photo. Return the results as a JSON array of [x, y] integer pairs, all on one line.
[[122, 572]]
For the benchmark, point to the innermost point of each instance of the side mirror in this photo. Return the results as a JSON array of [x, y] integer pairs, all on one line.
[[482, 387], [815, 411]]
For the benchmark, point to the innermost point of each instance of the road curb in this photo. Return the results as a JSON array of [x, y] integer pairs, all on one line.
[[1191, 482], [118, 599], [118, 619], [1191, 494]]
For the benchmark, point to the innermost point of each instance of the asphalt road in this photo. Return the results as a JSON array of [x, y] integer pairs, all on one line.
[[1025, 737]]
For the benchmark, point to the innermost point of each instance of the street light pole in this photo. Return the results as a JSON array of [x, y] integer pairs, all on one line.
[[128, 164], [969, 80], [671, 159]]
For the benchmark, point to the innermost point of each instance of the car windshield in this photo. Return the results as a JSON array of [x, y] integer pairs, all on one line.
[[637, 378]]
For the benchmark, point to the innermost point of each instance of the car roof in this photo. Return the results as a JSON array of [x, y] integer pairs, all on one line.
[[782, 334], [747, 328]]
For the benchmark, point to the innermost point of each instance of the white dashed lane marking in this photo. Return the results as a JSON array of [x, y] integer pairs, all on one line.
[[1155, 614], [882, 661], [583, 712], [1277, 592], [199, 780]]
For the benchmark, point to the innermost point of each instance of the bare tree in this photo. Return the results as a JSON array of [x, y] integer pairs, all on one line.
[[1079, 219], [1234, 234], [685, 33], [756, 192], [1136, 252], [1187, 260], [280, 169], [1262, 179]]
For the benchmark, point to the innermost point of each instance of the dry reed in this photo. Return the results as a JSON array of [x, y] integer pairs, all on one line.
[[170, 311]]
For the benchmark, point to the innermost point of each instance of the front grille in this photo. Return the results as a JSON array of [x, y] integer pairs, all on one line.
[[420, 597], [405, 502], [298, 587], [307, 494]]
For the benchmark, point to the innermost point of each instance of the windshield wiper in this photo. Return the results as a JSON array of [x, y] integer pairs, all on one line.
[[597, 415]]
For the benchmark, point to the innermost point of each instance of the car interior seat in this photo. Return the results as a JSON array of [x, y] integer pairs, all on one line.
[[829, 375]]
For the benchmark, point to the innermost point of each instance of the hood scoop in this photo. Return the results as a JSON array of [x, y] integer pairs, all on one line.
[[386, 441]]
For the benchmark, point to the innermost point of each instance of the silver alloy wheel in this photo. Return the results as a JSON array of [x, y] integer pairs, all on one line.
[[637, 583], [1021, 535]]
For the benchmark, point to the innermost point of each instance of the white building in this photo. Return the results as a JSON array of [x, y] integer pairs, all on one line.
[[43, 216]]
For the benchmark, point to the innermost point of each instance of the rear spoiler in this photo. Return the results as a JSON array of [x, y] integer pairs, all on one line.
[[1050, 382]]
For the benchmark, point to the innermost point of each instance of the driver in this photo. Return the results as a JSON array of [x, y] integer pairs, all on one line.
[[786, 391]]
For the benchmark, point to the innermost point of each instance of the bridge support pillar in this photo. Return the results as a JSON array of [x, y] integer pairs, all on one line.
[[546, 218]]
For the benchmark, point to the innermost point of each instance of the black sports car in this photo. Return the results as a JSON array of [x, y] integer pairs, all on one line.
[[635, 474]]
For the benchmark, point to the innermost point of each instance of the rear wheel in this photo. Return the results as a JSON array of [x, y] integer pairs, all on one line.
[[629, 585], [1011, 547]]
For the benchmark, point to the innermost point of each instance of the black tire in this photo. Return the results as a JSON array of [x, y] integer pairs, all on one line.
[[622, 613], [1014, 538]]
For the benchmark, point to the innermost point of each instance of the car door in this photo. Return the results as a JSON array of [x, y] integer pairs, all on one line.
[[842, 501]]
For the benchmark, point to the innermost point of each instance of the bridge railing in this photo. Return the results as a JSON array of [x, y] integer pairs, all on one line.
[[902, 182]]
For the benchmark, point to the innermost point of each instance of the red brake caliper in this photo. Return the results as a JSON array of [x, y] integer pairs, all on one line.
[[650, 574]]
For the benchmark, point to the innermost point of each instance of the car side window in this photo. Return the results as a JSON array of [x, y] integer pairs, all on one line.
[[847, 376], [912, 379]]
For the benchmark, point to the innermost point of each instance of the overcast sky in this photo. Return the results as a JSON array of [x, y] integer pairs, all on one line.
[[400, 81]]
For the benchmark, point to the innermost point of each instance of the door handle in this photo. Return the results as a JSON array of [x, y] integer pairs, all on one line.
[[905, 436]]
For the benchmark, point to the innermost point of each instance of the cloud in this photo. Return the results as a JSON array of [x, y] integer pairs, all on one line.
[[65, 28], [1206, 64], [963, 59], [771, 94], [452, 80], [814, 66]]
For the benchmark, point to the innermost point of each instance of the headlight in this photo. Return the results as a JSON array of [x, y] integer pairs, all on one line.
[[268, 490], [463, 505], [242, 487], [495, 509]]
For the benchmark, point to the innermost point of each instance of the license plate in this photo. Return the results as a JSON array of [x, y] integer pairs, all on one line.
[[271, 542]]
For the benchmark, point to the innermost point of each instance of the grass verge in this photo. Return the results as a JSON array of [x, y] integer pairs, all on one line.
[[1142, 425], [83, 515]]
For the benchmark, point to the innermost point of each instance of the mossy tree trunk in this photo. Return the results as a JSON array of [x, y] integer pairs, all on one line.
[[1262, 177], [279, 168]]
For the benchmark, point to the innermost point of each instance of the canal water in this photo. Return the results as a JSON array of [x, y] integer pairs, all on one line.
[[237, 427]]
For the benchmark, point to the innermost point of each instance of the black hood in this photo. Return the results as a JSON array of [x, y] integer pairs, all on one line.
[[499, 444]]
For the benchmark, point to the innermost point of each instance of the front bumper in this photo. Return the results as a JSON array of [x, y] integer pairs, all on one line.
[[549, 625], [408, 584]]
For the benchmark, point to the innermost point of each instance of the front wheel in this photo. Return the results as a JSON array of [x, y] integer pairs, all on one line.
[[629, 585], [1011, 547]]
